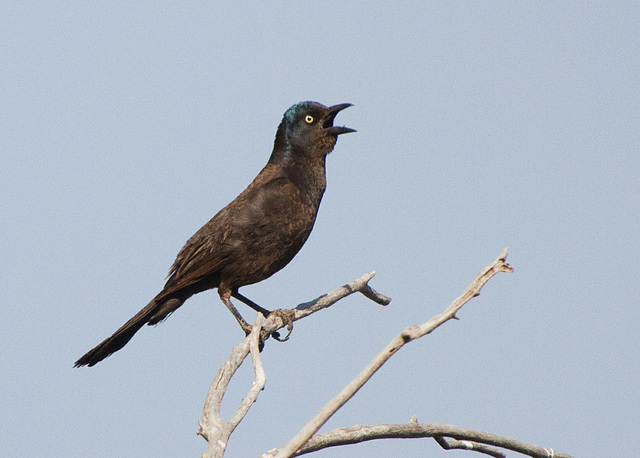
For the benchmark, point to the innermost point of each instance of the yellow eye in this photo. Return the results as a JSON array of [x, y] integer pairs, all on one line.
[[308, 119]]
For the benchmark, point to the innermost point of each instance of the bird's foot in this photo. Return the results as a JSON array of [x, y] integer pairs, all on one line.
[[286, 316]]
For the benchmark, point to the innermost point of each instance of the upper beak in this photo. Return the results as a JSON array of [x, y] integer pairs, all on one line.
[[329, 128]]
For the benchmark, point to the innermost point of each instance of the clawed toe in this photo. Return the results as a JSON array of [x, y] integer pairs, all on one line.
[[287, 318]]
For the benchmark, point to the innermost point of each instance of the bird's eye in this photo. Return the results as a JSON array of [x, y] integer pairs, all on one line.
[[308, 119]]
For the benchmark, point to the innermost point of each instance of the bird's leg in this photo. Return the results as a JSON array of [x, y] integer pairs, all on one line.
[[235, 293], [246, 327], [284, 315]]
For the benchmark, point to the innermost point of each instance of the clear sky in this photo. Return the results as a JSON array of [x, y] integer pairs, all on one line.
[[125, 126]]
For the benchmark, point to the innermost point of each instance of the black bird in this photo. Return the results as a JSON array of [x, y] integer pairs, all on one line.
[[254, 236]]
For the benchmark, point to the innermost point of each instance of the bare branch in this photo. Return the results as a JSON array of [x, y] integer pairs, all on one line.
[[466, 439], [215, 431], [361, 285], [258, 384], [407, 335]]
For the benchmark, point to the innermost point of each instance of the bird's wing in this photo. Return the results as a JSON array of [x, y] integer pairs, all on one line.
[[244, 220], [200, 257]]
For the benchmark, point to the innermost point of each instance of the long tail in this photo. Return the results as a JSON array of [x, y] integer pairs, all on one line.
[[152, 313]]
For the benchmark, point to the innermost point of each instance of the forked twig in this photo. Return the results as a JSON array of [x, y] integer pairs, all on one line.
[[212, 427]]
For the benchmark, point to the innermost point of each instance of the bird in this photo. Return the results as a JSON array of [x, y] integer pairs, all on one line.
[[255, 235]]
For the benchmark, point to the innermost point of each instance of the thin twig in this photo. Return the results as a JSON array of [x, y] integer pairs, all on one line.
[[361, 285], [453, 444], [406, 336]]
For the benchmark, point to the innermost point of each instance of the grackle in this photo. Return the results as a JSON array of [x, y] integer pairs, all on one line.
[[254, 236]]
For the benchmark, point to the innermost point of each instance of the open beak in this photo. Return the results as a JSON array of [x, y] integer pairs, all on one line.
[[329, 128]]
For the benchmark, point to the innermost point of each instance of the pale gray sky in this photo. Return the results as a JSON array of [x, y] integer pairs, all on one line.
[[125, 127]]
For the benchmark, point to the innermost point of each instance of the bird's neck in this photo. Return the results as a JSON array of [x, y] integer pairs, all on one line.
[[306, 171]]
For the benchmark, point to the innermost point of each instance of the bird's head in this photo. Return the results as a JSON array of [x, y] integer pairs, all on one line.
[[307, 127]]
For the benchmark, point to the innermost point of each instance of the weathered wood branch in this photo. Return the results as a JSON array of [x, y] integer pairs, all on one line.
[[303, 310], [447, 436], [463, 438], [406, 336], [212, 427]]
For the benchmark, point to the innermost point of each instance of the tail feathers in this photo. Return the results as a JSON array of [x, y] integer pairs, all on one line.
[[153, 313], [164, 310]]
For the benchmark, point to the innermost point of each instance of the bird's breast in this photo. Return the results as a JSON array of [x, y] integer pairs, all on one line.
[[274, 229]]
